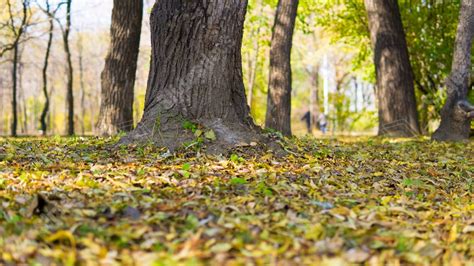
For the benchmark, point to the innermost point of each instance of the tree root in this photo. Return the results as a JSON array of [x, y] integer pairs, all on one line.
[[209, 136]]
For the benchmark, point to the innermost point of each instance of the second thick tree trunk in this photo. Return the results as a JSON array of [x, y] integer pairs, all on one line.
[[457, 113], [278, 115], [398, 116], [118, 77], [196, 75]]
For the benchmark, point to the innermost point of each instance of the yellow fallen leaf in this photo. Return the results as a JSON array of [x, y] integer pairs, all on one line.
[[453, 234], [315, 232], [62, 235], [385, 200]]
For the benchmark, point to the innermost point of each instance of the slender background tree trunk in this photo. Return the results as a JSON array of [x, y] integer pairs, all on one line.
[[18, 33], [253, 68], [398, 116], [21, 96], [14, 127], [196, 74], [253, 61], [44, 113], [278, 115], [69, 72], [118, 76], [83, 87], [457, 113], [314, 99]]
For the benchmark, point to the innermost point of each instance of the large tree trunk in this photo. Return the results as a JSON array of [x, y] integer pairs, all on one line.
[[118, 77], [278, 115], [457, 113], [398, 116], [69, 72], [196, 74]]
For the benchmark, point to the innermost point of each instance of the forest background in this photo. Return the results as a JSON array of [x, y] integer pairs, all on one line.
[[332, 63]]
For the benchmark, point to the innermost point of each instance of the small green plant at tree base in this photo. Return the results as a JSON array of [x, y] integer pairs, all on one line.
[[188, 125], [201, 134], [236, 158]]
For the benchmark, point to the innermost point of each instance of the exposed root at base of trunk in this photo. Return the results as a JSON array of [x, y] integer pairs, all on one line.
[[455, 123], [221, 136]]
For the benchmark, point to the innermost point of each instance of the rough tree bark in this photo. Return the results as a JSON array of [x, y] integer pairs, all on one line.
[[196, 75], [118, 76], [398, 116], [278, 115], [44, 113], [457, 113]]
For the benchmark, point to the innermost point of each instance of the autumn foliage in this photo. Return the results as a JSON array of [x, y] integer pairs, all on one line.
[[329, 202]]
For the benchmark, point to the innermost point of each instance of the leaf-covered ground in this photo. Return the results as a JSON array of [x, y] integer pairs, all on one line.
[[344, 202]]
